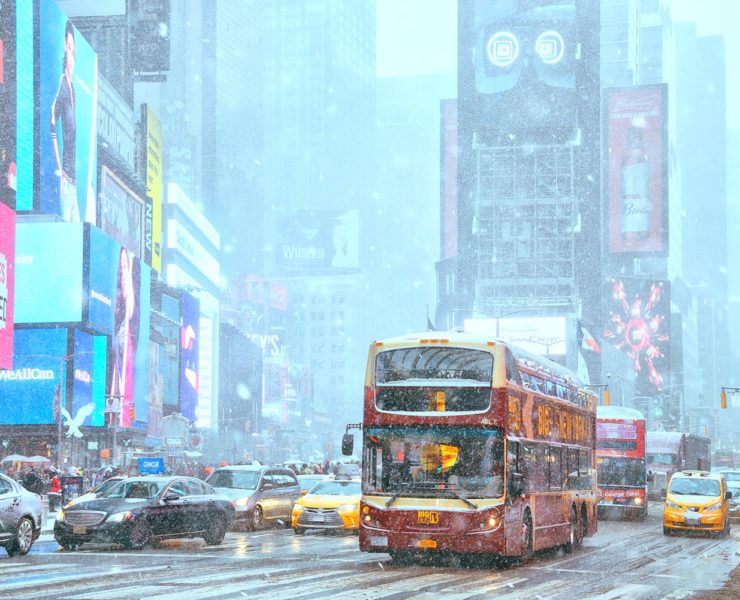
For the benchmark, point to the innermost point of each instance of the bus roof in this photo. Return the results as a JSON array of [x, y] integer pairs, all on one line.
[[618, 412]]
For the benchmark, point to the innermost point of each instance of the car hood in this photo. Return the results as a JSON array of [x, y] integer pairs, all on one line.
[[112, 505], [319, 501], [234, 493], [692, 501]]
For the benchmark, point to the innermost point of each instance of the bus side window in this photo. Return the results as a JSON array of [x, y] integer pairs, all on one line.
[[572, 469], [512, 370], [554, 459]]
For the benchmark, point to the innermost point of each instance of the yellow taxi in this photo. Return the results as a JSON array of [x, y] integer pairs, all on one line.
[[697, 501], [330, 504]]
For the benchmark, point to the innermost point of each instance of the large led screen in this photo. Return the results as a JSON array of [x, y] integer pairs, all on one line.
[[105, 257], [128, 361], [88, 398], [639, 317], [189, 340], [27, 391], [319, 241], [68, 104], [7, 284], [7, 104], [25, 114], [636, 151], [525, 65], [154, 189], [121, 213], [48, 273]]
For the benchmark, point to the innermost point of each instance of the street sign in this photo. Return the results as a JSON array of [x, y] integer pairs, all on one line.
[[151, 466]]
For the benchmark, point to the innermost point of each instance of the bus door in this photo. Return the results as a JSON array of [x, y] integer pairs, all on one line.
[[514, 505]]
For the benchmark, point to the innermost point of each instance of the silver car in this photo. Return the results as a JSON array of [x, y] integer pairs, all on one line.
[[260, 494], [20, 517]]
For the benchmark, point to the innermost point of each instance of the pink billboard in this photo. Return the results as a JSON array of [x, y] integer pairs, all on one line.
[[7, 283], [636, 177]]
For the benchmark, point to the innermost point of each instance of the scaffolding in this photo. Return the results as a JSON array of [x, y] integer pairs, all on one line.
[[526, 221]]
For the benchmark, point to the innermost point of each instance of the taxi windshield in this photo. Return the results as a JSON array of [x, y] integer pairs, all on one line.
[[337, 488], [695, 487]]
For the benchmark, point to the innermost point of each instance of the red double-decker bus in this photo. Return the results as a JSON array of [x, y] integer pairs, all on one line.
[[471, 445], [620, 462]]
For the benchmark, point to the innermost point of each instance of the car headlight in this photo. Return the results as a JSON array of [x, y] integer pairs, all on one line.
[[714, 506], [298, 508], [349, 507], [241, 502], [670, 504], [121, 516], [60, 515]]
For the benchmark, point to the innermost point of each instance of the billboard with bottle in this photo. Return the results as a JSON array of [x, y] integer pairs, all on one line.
[[636, 170]]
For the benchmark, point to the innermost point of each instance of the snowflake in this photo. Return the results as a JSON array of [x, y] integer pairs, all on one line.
[[637, 330]]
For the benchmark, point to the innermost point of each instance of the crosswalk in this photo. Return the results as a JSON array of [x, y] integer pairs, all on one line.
[[276, 564]]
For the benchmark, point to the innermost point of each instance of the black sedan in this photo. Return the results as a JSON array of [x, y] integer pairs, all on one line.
[[142, 509]]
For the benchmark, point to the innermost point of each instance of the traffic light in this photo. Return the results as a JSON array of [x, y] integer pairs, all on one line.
[[606, 396], [723, 399]]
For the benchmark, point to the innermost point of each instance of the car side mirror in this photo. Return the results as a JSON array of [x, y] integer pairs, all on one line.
[[348, 442], [171, 496], [516, 485], [304, 492], [267, 486], [728, 495]]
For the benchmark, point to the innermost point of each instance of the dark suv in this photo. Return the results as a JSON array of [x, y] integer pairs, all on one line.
[[259, 493]]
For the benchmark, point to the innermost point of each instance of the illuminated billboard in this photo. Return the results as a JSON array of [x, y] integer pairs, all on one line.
[[7, 284], [154, 188], [319, 240], [88, 379], [635, 130], [525, 57], [545, 336], [48, 273], [449, 178], [103, 280], [25, 114], [68, 105], [121, 213], [27, 391], [128, 361], [639, 317], [189, 341], [8, 176]]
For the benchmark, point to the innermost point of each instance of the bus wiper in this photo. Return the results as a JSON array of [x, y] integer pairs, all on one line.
[[463, 498]]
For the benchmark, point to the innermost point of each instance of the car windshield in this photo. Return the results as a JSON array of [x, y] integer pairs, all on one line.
[[104, 486], [695, 487], [242, 480], [731, 475], [421, 461], [134, 489], [337, 488]]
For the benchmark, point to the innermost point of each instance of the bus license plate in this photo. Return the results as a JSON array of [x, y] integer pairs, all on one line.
[[78, 530], [378, 540], [427, 544]]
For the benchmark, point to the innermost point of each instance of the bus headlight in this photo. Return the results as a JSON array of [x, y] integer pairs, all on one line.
[[637, 501]]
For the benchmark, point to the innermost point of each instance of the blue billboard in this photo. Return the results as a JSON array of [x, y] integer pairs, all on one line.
[[27, 391], [24, 151], [88, 380], [48, 273], [104, 261], [68, 104], [141, 353]]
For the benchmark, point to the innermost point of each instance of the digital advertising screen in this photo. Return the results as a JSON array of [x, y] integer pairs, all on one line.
[[8, 175], [128, 359], [104, 260], [25, 114], [526, 57], [636, 150], [68, 105], [189, 341], [121, 212], [169, 350], [88, 373], [639, 324], [7, 284], [317, 240], [48, 273], [27, 391], [449, 155], [154, 189]]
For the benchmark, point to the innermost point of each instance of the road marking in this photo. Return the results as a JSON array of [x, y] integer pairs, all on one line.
[[633, 590]]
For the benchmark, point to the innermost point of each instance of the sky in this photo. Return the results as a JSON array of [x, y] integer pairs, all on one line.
[[419, 37]]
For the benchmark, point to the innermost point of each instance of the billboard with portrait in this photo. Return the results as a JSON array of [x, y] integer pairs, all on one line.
[[636, 150], [121, 213], [525, 61], [27, 391], [319, 241], [128, 359], [639, 318], [7, 284], [68, 106], [8, 176], [48, 265], [189, 341]]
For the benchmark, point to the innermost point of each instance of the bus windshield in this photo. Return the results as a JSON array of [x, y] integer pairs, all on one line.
[[620, 471], [429, 461]]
